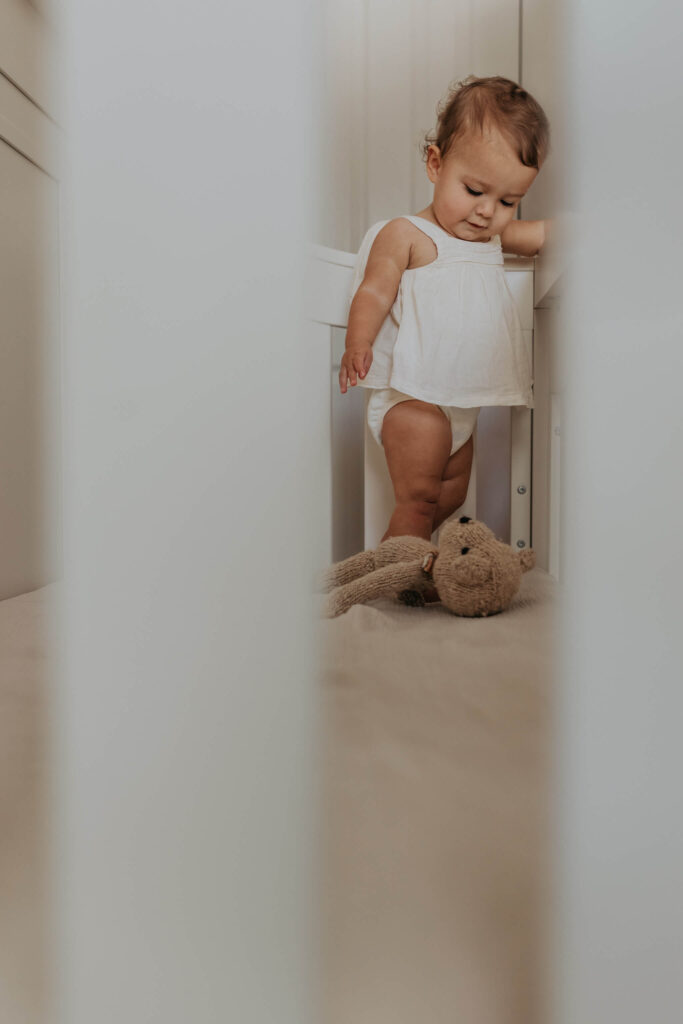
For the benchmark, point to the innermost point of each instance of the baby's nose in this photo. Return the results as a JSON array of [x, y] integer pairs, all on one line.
[[486, 208]]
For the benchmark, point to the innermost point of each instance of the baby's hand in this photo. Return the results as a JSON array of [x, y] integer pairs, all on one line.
[[354, 361]]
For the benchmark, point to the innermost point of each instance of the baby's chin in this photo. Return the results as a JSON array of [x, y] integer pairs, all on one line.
[[468, 233]]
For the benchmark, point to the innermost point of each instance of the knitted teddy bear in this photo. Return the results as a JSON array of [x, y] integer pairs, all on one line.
[[474, 573]]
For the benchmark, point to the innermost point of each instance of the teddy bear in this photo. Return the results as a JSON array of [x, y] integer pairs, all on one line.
[[474, 574]]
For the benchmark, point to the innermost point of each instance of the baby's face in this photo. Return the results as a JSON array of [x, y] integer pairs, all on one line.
[[478, 185]]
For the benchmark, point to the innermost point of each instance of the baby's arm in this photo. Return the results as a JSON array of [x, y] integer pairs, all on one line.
[[525, 237], [388, 258]]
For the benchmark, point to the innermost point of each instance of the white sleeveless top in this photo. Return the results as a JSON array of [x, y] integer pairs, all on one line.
[[453, 335]]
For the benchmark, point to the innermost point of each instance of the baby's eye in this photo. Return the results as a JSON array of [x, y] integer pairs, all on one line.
[[473, 193]]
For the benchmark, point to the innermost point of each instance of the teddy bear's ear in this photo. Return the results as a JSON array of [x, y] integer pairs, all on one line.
[[527, 559]]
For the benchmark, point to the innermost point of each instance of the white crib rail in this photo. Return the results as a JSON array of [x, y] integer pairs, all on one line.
[[358, 485]]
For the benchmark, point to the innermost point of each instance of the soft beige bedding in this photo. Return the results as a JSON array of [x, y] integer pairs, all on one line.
[[435, 804], [435, 807]]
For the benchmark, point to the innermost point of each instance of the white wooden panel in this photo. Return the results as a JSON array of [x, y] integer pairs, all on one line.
[[320, 396], [493, 483], [520, 477], [529, 341], [555, 503], [329, 290], [470, 505], [27, 52], [379, 492], [544, 73], [544, 329], [521, 284], [348, 441], [336, 256]]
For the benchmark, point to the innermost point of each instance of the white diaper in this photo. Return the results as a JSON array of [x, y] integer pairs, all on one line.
[[463, 421]]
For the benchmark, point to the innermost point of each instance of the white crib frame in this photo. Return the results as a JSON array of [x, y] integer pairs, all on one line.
[[330, 286]]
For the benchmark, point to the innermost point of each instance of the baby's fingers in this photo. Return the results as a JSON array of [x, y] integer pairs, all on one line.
[[359, 364], [346, 376]]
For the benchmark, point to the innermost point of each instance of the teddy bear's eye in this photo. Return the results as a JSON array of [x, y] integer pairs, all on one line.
[[463, 551]]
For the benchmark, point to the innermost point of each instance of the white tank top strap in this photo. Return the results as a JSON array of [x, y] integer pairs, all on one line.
[[432, 230], [457, 248]]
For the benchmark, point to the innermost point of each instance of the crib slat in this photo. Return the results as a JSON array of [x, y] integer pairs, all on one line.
[[469, 506], [520, 477], [521, 284], [320, 487], [555, 442], [347, 459], [379, 491]]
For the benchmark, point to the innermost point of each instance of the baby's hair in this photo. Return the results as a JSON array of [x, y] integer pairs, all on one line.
[[478, 102]]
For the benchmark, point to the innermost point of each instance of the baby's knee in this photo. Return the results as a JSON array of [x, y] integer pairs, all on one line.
[[454, 492], [422, 493]]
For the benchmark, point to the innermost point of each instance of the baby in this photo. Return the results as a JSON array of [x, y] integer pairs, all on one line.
[[433, 328]]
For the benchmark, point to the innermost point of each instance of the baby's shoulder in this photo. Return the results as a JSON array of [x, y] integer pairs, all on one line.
[[395, 230], [404, 240]]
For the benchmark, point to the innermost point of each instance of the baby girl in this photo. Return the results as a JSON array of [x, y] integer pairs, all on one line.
[[433, 328]]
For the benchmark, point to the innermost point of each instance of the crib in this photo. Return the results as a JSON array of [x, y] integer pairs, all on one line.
[[358, 488]]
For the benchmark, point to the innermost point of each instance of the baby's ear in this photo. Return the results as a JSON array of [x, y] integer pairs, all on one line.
[[527, 559]]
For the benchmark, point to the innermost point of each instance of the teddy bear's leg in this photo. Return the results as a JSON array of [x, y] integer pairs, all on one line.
[[413, 598], [388, 581], [343, 572]]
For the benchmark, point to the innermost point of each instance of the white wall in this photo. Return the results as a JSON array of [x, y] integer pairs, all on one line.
[[183, 755], [387, 63]]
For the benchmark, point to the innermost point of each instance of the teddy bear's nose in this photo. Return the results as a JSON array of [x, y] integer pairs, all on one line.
[[463, 551], [464, 519]]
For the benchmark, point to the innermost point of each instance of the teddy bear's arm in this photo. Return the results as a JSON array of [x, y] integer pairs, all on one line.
[[350, 569], [388, 581]]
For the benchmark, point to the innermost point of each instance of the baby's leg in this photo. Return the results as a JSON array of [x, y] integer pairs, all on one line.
[[455, 482], [417, 440]]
